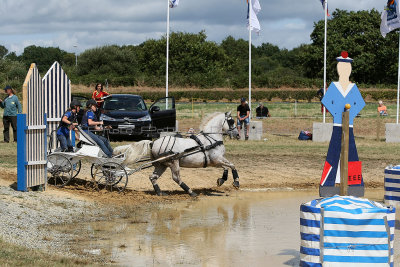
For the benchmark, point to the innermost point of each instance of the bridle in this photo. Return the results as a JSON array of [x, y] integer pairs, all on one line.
[[231, 124]]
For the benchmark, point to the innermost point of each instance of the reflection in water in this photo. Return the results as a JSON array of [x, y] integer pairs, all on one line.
[[245, 229]]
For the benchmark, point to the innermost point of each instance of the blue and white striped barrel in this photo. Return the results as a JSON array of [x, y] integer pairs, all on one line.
[[346, 231], [392, 185]]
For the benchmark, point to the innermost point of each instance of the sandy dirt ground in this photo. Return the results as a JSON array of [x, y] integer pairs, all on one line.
[[272, 167]]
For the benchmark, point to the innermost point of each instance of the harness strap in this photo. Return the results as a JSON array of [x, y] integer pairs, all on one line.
[[205, 148], [201, 146], [214, 145], [167, 152]]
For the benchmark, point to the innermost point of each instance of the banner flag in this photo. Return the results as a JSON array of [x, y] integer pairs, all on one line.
[[390, 17], [254, 24], [323, 6], [173, 3]]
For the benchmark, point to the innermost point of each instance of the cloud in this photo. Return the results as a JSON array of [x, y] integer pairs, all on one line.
[[91, 23]]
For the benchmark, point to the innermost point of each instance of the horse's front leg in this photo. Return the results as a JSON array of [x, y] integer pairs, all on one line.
[[226, 164], [175, 170], [221, 181], [158, 171]]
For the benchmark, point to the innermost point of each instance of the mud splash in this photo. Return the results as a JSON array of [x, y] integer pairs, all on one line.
[[243, 229]]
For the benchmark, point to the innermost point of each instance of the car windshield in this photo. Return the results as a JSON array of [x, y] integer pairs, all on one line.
[[81, 99], [125, 103]]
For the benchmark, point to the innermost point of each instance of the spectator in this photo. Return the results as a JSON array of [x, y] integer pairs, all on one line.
[[243, 117], [11, 107], [99, 94], [262, 111], [68, 123], [382, 109]]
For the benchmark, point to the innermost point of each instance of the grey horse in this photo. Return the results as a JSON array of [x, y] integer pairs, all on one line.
[[210, 143]]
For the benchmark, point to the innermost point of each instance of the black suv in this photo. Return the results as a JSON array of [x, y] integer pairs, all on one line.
[[128, 115]]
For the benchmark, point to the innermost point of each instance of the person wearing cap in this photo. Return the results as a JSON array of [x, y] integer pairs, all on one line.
[[339, 95], [91, 122], [67, 124], [12, 107], [382, 110], [262, 111], [243, 117]]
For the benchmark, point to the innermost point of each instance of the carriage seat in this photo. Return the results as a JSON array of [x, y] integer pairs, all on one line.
[[85, 138]]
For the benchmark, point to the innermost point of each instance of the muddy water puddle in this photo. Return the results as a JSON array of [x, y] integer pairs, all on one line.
[[243, 229]]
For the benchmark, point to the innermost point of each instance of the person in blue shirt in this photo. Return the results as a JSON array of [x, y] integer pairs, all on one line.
[[67, 124], [337, 96], [12, 107], [91, 122]]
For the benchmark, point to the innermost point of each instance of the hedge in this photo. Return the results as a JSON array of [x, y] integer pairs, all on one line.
[[231, 96]]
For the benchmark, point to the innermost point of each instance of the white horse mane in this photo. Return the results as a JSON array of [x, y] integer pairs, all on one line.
[[208, 118]]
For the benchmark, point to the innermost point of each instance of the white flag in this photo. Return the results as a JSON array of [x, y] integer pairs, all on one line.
[[254, 24], [173, 3], [390, 17]]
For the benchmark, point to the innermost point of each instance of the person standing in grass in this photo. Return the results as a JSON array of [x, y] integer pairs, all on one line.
[[243, 117], [12, 107]]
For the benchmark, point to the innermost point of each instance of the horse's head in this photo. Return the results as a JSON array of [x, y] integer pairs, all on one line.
[[229, 126]]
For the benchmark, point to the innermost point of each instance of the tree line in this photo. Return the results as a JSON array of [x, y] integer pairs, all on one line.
[[198, 62]]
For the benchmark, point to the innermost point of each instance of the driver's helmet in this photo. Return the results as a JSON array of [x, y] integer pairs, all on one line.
[[74, 104], [90, 103]]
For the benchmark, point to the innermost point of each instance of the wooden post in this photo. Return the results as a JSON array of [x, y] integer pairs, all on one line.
[[378, 128], [344, 157], [25, 90]]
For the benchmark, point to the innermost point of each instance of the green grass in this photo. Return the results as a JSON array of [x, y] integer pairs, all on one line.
[[283, 122], [277, 109], [11, 255]]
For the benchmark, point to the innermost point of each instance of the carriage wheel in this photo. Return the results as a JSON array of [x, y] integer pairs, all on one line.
[[112, 176], [93, 170], [77, 168], [60, 168]]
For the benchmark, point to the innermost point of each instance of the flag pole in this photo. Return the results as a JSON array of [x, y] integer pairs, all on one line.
[[325, 51], [167, 64], [398, 86], [250, 6]]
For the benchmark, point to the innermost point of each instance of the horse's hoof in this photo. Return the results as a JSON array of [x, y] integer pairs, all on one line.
[[193, 194], [236, 184], [220, 181]]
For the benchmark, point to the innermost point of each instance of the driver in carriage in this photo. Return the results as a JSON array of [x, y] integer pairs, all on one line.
[[68, 123], [91, 122]]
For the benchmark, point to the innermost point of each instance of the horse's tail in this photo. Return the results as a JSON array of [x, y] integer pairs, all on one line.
[[135, 151]]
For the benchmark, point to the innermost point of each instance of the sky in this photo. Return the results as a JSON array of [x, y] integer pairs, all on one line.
[[91, 23]]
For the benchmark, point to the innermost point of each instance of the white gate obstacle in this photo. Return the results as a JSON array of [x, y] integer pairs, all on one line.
[[346, 231], [57, 94], [392, 186], [32, 134]]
